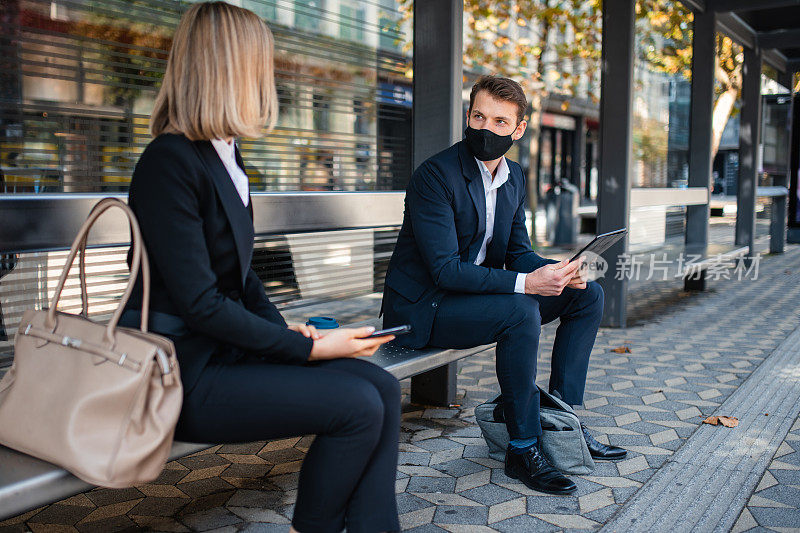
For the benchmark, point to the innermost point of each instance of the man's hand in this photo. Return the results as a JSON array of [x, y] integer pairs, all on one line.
[[580, 278], [346, 342], [551, 279]]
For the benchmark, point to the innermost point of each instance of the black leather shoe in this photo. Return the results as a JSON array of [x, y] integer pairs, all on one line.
[[600, 451], [533, 469]]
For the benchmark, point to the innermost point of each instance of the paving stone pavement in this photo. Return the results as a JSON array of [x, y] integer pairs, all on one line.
[[689, 355], [775, 504]]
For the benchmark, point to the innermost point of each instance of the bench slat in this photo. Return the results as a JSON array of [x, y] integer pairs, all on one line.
[[27, 482], [711, 254], [404, 363]]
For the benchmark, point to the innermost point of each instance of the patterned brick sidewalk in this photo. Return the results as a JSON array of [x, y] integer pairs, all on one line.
[[687, 355]]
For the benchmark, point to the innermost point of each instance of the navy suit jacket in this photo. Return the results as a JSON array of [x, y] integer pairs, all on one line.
[[443, 228], [199, 236]]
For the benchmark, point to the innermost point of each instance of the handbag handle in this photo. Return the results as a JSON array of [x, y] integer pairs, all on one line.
[[139, 259], [145, 286], [145, 277]]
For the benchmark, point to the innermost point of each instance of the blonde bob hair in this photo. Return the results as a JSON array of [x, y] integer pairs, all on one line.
[[220, 80]]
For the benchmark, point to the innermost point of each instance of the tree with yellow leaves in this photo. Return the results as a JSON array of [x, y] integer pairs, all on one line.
[[669, 20]]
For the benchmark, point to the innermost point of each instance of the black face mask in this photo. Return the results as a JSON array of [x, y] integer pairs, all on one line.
[[486, 145]]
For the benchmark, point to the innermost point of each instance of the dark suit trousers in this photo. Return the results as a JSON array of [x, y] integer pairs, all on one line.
[[352, 406], [514, 321]]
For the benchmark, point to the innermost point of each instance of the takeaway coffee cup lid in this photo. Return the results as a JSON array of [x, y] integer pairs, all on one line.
[[322, 322]]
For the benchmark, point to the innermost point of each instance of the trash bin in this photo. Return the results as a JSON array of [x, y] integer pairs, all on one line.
[[562, 214]]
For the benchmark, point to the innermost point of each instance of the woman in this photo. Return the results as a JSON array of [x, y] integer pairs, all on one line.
[[246, 376]]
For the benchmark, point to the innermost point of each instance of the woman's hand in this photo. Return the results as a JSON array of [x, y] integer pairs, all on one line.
[[306, 330], [346, 342]]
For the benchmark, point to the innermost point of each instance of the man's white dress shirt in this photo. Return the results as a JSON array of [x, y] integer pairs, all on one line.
[[490, 187], [227, 153]]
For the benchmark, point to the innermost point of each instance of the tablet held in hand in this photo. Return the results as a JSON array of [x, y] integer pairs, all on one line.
[[601, 243]]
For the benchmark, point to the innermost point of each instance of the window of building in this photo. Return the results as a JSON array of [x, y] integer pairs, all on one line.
[[79, 80]]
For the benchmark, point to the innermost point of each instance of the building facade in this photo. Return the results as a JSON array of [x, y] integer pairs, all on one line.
[[79, 80]]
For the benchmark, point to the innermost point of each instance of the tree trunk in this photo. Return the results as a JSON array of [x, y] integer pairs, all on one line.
[[722, 112]]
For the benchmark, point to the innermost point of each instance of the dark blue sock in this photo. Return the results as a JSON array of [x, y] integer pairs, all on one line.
[[520, 446]]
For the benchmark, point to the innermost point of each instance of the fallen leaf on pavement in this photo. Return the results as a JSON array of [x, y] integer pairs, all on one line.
[[621, 349], [727, 421]]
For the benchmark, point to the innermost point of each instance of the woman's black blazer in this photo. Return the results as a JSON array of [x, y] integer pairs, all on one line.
[[199, 236]]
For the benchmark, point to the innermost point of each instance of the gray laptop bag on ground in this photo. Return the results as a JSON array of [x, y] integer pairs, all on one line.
[[562, 439]]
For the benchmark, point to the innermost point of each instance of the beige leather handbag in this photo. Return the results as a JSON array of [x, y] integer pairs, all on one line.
[[98, 400]]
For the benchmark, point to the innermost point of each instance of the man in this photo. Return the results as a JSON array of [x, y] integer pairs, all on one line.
[[463, 273]]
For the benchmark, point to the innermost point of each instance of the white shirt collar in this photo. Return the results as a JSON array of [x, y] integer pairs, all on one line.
[[227, 154], [500, 177], [226, 150]]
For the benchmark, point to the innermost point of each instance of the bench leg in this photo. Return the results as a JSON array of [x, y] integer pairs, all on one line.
[[435, 387], [695, 281], [777, 226]]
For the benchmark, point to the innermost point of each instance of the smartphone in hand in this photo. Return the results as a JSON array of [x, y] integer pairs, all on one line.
[[399, 330]]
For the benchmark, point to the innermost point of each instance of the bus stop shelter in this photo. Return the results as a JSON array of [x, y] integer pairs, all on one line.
[[769, 32]]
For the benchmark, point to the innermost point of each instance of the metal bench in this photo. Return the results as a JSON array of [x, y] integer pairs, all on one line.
[[27, 483], [777, 223], [695, 274], [776, 197], [693, 270]]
